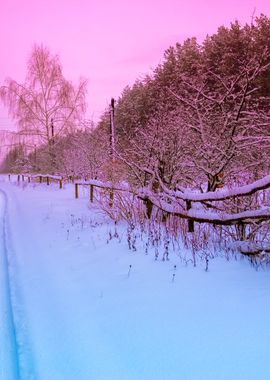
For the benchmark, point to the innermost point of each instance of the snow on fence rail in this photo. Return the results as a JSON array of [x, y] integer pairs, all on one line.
[[222, 195]]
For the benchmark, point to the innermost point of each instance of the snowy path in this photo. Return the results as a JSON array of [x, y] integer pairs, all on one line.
[[51, 324], [59, 338], [78, 316], [9, 368]]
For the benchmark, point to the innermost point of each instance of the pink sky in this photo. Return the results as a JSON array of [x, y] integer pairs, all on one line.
[[109, 42]]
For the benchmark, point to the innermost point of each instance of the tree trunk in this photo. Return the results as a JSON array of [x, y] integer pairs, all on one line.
[[190, 222]]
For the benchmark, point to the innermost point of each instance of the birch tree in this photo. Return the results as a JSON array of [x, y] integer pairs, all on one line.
[[46, 106]]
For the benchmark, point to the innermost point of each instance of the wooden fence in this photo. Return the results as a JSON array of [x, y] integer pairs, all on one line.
[[41, 178], [92, 184], [109, 186]]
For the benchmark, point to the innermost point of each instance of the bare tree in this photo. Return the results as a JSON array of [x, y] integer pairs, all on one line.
[[46, 105]]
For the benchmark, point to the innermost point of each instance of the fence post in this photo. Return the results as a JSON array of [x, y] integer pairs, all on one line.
[[111, 198], [29, 179], [40, 179], [9, 177], [22, 177], [190, 221], [149, 208], [76, 191], [60, 184], [48, 180], [18, 177], [91, 193]]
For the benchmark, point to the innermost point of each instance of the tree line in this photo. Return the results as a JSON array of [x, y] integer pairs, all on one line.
[[199, 122]]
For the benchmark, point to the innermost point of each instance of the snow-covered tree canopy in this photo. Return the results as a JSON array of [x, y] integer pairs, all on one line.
[[203, 115]]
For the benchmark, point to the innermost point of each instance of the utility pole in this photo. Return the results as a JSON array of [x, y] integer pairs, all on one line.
[[35, 157], [52, 129], [112, 130], [112, 149], [52, 152]]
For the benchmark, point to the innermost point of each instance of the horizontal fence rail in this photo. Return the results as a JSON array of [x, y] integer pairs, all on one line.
[[48, 178], [109, 186]]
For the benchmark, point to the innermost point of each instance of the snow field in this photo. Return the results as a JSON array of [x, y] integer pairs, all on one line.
[[85, 318]]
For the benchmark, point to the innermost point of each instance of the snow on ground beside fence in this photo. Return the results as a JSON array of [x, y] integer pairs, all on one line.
[[92, 309]]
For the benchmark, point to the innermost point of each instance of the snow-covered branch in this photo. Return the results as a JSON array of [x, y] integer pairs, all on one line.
[[221, 195], [204, 216]]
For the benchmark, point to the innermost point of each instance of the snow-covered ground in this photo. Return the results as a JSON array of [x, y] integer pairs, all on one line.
[[70, 310]]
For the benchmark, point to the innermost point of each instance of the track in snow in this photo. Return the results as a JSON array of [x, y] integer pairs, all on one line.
[[9, 358]]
